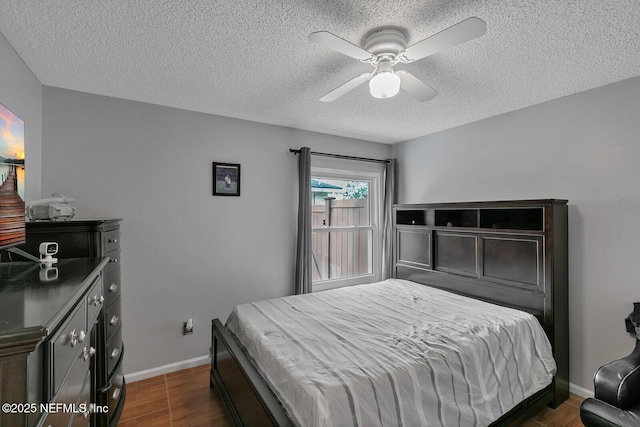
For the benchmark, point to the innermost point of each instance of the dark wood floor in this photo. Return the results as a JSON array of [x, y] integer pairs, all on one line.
[[178, 399], [184, 399]]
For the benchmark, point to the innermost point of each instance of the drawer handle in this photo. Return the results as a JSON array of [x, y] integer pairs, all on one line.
[[115, 353], [87, 352], [116, 394], [114, 320], [97, 300], [113, 288], [114, 260], [75, 337], [113, 240], [105, 388]]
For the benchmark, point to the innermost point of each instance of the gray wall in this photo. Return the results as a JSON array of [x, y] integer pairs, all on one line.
[[584, 148], [188, 254], [185, 252], [21, 92]]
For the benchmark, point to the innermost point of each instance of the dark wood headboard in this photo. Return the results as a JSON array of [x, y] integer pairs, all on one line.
[[512, 253]]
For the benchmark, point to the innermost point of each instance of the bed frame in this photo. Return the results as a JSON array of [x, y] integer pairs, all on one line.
[[512, 253]]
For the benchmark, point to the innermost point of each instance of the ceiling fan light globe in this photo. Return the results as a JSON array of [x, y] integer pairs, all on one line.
[[384, 85]]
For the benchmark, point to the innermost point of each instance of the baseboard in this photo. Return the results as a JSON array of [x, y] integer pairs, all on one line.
[[580, 391], [166, 369]]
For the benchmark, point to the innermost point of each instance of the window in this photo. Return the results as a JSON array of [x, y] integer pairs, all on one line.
[[344, 223]]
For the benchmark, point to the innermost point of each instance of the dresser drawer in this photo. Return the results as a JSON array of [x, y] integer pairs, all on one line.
[[67, 344], [116, 391], [114, 351], [110, 240], [95, 300], [114, 261], [112, 318], [83, 419], [111, 286], [74, 389]]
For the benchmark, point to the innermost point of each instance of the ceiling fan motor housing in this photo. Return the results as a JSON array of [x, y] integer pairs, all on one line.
[[385, 41]]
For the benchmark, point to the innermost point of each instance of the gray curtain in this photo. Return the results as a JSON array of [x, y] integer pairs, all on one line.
[[390, 199], [302, 283]]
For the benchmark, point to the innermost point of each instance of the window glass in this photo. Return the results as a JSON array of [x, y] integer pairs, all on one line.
[[342, 232]]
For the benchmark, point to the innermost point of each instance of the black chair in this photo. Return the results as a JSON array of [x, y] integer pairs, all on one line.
[[616, 399]]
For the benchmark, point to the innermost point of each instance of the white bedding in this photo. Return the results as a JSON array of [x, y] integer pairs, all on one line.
[[394, 353]]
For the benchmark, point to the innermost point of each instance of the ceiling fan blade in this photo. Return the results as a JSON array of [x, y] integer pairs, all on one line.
[[415, 87], [346, 87], [331, 41], [461, 32]]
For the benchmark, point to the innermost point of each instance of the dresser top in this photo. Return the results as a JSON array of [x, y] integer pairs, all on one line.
[[75, 223], [33, 299]]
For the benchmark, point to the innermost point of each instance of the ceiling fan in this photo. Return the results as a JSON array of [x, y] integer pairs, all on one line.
[[385, 47]]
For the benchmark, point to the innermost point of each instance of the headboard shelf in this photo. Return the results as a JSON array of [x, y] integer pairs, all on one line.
[[411, 216], [456, 218], [513, 218], [512, 253]]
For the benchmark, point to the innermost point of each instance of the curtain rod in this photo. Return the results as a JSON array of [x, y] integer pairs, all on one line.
[[340, 156]]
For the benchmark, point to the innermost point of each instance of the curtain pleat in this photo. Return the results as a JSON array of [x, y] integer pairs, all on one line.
[[390, 198], [302, 284]]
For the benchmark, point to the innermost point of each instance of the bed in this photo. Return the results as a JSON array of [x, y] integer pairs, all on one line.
[[428, 347]]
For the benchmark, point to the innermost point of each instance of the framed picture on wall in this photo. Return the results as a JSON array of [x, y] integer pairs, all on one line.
[[226, 179]]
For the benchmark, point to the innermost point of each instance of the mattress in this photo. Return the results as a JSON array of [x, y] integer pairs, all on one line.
[[394, 353]]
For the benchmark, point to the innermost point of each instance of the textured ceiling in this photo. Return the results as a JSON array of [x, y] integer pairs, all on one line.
[[252, 60]]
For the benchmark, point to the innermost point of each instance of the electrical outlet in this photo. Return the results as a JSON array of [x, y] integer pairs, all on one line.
[[187, 327]]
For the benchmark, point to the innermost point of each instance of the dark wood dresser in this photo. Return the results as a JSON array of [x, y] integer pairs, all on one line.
[[95, 238], [49, 319]]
